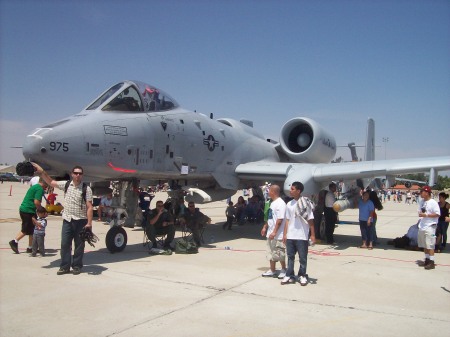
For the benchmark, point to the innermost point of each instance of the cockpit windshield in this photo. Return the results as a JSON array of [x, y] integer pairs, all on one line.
[[136, 96], [127, 100], [103, 98], [155, 99]]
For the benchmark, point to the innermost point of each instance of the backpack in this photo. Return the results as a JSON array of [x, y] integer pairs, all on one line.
[[321, 201], [186, 246], [83, 189]]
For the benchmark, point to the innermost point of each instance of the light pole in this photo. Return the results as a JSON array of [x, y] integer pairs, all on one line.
[[385, 141]]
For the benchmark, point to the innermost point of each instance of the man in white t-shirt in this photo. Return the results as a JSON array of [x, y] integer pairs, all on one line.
[[429, 213], [299, 223], [105, 206], [273, 230], [34, 180]]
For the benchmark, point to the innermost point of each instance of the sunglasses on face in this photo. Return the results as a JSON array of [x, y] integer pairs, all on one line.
[[78, 173]]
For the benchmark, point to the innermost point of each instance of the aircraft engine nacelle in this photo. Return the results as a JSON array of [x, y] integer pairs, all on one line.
[[303, 140]]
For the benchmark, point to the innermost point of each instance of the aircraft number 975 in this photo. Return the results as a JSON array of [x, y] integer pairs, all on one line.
[[59, 146]]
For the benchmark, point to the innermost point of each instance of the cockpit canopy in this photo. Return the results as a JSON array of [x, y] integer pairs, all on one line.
[[134, 96]]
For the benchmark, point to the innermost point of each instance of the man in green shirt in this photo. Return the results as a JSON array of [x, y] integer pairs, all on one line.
[[27, 211]]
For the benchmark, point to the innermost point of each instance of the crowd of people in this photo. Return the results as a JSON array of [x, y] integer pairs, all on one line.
[[288, 224], [398, 195]]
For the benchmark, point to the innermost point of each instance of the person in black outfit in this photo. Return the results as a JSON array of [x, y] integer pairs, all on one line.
[[160, 223], [442, 225], [195, 220], [330, 214]]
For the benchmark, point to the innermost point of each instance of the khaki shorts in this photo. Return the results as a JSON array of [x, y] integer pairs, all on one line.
[[276, 250], [426, 238]]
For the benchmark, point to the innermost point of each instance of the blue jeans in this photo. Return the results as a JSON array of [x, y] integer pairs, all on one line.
[[71, 231], [442, 228], [300, 247], [374, 229], [366, 231]]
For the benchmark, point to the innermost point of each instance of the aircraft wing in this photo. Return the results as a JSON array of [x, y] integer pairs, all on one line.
[[313, 175], [369, 169]]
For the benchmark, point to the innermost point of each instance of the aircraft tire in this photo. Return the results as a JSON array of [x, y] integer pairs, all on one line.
[[322, 227], [116, 239]]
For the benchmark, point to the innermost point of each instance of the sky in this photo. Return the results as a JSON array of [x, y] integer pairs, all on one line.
[[337, 62]]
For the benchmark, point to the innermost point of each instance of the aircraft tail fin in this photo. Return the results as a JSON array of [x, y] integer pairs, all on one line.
[[370, 140]]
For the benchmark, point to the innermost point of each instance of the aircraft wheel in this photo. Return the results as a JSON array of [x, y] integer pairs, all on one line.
[[322, 227], [116, 239]]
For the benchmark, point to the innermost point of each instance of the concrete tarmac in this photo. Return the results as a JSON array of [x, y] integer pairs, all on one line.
[[220, 292]]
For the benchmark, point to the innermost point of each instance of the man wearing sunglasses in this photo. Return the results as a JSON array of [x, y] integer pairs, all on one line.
[[195, 220], [160, 223], [77, 214]]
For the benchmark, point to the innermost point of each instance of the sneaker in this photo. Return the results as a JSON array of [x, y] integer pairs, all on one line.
[[282, 273], [423, 263], [430, 265], [62, 271], [303, 280], [287, 280], [76, 270], [14, 246], [269, 273], [29, 250]]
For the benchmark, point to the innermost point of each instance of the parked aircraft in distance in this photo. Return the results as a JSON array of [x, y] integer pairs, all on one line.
[[134, 132]]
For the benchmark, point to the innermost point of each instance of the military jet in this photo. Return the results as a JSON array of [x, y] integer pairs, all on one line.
[[136, 132]]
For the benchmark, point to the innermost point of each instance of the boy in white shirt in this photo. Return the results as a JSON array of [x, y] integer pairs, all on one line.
[[299, 223]]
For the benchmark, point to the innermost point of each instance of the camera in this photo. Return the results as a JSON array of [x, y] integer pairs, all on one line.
[[423, 209], [25, 169]]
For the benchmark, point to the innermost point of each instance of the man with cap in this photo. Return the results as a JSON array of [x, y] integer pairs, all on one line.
[[429, 213]]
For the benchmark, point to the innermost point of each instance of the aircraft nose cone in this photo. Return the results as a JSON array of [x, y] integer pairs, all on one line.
[[33, 148]]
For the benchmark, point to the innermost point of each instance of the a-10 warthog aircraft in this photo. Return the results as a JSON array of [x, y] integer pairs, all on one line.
[[136, 132]]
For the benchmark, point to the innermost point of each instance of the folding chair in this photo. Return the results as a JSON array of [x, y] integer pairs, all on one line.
[[186, 232], [160, 239]]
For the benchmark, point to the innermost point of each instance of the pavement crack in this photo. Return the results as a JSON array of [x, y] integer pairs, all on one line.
[[337, 306], [217, 291]]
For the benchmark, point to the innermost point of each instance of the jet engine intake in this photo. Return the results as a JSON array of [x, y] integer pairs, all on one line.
[[303, 140]]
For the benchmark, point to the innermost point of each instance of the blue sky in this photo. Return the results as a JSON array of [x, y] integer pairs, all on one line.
[[337, 62]]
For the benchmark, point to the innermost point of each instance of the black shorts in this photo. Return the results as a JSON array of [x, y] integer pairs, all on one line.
[[27, 223]]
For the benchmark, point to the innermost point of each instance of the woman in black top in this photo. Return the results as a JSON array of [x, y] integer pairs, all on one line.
[[442, 225]]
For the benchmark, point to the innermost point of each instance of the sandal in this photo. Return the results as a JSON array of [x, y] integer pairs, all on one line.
[[362, 247], [369, 248]]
